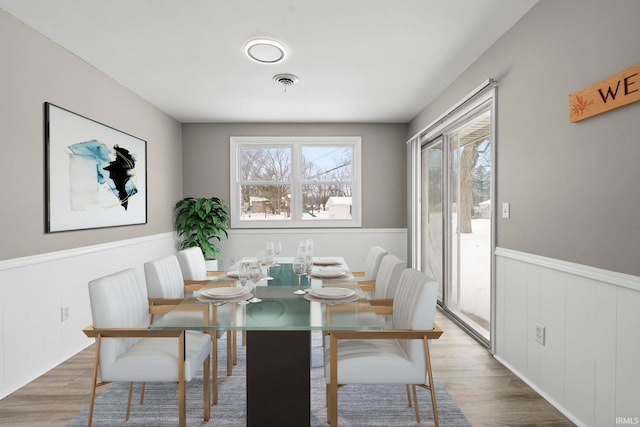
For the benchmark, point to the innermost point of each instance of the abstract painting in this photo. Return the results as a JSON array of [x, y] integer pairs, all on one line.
[[96, 175]]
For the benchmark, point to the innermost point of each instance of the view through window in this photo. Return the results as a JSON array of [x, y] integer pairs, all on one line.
[[295, 182]]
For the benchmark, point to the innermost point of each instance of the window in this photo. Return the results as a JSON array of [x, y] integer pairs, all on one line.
[[295, 182]]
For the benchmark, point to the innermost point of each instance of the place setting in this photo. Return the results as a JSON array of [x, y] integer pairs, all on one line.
[[331, 295], [223, 295]]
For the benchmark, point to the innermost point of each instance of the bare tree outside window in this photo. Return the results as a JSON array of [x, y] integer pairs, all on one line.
[[295, 181]]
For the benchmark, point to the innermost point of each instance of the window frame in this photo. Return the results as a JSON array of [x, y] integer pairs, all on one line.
[[297, 181]]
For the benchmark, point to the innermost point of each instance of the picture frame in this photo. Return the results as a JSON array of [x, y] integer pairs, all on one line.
[[96, 175]]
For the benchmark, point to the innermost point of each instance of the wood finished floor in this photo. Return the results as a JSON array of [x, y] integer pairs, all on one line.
[[487, 393]]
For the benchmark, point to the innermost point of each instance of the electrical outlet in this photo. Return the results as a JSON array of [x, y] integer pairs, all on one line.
[[540, 334], [64, 313]]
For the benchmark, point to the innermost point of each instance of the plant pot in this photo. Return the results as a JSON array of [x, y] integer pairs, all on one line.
[[212, 264]]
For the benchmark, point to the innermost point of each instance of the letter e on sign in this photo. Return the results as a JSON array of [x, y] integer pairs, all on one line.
[[620, 89]]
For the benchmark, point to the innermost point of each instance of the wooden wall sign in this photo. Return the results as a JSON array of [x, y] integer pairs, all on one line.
[[620, 89]]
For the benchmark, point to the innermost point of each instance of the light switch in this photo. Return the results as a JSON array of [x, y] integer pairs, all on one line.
[[505, 210]]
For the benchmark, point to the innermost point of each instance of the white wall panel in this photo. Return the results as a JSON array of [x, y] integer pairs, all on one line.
[[552, 317], [604, 345], [579, 378], [588, 367], [627, 360], [33, 290]]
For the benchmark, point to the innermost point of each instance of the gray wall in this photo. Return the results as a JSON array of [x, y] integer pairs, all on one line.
[[206, 162], [573, 188], [34, 70]]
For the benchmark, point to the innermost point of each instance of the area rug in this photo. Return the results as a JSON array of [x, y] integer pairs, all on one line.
[[358, 405]]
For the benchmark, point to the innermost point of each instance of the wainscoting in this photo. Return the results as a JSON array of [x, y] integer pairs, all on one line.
[[33, 337], [589, 365]]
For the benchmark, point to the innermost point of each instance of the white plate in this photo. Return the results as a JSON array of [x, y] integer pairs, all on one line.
[[223, 293], [326, 261], [328, 273], [332, 293]]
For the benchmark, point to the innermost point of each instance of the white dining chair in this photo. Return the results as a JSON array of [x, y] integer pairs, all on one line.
[[195, 273], [390, 356], [371, 264], [126, 350], [194, 266], [385, 283], [166, 288]]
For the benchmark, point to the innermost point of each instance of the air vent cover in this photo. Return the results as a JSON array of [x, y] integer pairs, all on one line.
[[285, 79]]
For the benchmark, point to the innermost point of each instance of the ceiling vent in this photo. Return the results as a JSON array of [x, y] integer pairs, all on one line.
[[285, 80]]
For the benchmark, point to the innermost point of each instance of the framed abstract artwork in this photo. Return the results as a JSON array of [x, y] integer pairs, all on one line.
[[96, 176]]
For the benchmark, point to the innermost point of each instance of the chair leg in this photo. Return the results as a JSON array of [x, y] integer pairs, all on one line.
[[415, 399], [182, 389], [230, 352], [206, 393], [432, 389], [214, 369], [408, 395], [95, 380], [142, 394], [333, 382], [126, 417]]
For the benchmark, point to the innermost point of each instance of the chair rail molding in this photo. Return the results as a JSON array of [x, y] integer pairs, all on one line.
[[610, 277]]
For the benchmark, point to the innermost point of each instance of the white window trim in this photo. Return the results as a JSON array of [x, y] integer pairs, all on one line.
[[237, 141]]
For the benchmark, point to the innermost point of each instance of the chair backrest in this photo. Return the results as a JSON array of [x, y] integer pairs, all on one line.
[[414, 307], [164, 278], [118, 300], [372, 263], [389, 273], [192, 263]]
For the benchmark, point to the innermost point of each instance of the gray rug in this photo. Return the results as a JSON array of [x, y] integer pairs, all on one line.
[[358, 405]]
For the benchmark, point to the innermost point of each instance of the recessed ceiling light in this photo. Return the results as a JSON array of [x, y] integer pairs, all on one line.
[[265, 51]]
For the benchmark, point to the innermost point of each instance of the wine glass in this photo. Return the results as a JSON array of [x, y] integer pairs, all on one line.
[[260, 256], [269, 257], [299, 268], [277, 249], [255, 272], [243, 272]]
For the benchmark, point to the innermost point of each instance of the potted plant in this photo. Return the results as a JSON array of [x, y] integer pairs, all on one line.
[[201, 221]]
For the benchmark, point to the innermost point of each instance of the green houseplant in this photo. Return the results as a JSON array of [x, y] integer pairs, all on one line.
[[201, 221]]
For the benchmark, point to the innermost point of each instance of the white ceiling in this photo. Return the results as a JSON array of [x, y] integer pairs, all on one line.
[[357, 60]]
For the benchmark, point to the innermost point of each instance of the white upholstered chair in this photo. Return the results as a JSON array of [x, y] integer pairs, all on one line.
[[384, 284], [126, 350], [371, 264], [390, 356], [195, 273], [194, 267], [166, 288]]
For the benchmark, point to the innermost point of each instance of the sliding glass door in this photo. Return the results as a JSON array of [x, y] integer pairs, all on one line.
[[456, 224]]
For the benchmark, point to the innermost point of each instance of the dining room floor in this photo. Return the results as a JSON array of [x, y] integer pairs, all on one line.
[[486, 392]]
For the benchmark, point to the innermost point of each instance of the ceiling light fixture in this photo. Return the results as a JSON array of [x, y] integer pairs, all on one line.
[[265, 51]]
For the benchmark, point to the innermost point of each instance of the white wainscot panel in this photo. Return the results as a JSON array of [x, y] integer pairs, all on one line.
[[352, 244], [589, 364], [33, 290], [628, 355]]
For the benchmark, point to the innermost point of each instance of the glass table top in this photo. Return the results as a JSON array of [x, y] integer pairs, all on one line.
[[279, 306]]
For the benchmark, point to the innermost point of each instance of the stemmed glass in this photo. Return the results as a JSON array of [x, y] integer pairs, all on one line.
[[270, 257], [255, 272], [276, 247], [299, 268], [243, 273]]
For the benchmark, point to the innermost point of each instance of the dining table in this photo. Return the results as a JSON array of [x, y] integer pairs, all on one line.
[[277, 316]]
